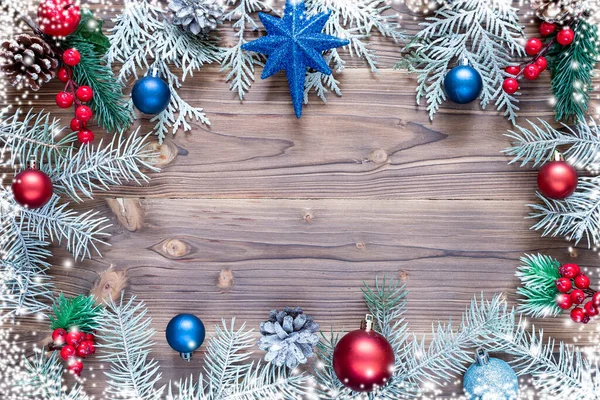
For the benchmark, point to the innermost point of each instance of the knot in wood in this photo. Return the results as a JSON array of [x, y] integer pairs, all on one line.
[[308, 216], [378, 156], [175, 248], [360, 246], [225, 280], [403, 276]]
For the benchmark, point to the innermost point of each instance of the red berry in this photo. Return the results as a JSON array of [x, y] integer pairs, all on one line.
[[563, 285], [531, 72], [84, 93], [579, 315], [89, 337], [74, 338], [85, 136], [76, 125], [546, 28], [564, 301], [542, 63], [512, 70], [90, 346], [71, 57], [83, 349], [75, 367], [67, 352], [590, 309], [577, 296], [565, 36], [63, 75], [569, 270], [83, 113], [510, 85], [58, 17], [596, 299], [533, 46], [582, 281], [58, 336], [64, 100]]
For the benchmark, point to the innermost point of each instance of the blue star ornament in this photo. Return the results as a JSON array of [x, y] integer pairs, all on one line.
[[294, 43]]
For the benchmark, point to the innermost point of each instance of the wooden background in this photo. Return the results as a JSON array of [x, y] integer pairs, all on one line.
[[302, 212]]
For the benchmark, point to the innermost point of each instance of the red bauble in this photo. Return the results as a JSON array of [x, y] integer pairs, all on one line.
[[84, 93], [75, 367], [58, 17], [577, 296], [510, 85], [531, 72], [74, 338], [67, 352], [596, 299], [533, 46], [84, 349], [564, 301], [563, 285], [546, 28], [32, 188], [565, 36], [569, 270], [363, 360], [63, 75], [590, 309], [71, 57], [557, 180], [579, 315], [582, 281], [542, 63], [64, 99], [58, 336], [76, 125], [512, 70], [83, 113], [85, 136]]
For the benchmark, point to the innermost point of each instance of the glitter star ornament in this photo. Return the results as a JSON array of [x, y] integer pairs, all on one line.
[[294, 43]]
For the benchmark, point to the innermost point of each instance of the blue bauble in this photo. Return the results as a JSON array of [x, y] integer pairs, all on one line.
[[463, 84], [185, 333], [151, 95], [490, 379]]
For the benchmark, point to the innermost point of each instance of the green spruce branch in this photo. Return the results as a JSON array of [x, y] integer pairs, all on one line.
[[79, 312], [538, 274]]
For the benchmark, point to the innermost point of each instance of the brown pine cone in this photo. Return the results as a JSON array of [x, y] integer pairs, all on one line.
[[27, 61]]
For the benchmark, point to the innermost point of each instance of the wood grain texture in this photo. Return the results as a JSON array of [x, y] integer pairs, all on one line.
[[261, 210]]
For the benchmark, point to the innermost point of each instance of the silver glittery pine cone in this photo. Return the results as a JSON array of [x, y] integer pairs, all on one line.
[[196, 16], [27, 61], [563, 11], [289, 337]]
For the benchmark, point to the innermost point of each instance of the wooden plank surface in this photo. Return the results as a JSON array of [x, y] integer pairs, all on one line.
[[303, 211]]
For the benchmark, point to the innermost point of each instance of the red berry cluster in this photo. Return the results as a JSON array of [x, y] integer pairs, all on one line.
[[75, 95], [75, 345], [534, 47], [571, 276]]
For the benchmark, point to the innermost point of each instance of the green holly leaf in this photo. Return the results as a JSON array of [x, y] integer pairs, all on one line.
[[90, 29]]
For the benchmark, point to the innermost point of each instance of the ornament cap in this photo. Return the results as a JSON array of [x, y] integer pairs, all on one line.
[[558, 156], [482, 357], [186, 356], [464, 61], [33, 163], [367, 323]]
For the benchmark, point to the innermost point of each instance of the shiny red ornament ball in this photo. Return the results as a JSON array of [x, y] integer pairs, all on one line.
[[596, 299], [63, 75], [590, 309], [58, 336], [542, 63], [512, 70], [578, 315], [83, 113], [557, 180], [84, 93], [510, 85], [577, 296], [564, 301], [85, 136], [569, 270], [68, 351], [76, 125], [32, 188], [363, 360], [71, 57], [533, 46], [58, 17], [582, 281], [565, 36], [75, 367], [74, 338], [531, 72], [64, 99], [547, 28], [563, 285]]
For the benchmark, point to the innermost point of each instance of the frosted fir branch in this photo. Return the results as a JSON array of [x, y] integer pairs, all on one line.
[[486, 33], [126, 340], [538, 143], [538, 274]]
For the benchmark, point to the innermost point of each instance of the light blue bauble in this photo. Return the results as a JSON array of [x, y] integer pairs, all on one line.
[[463, 84], [185, 333], [490, 379]]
